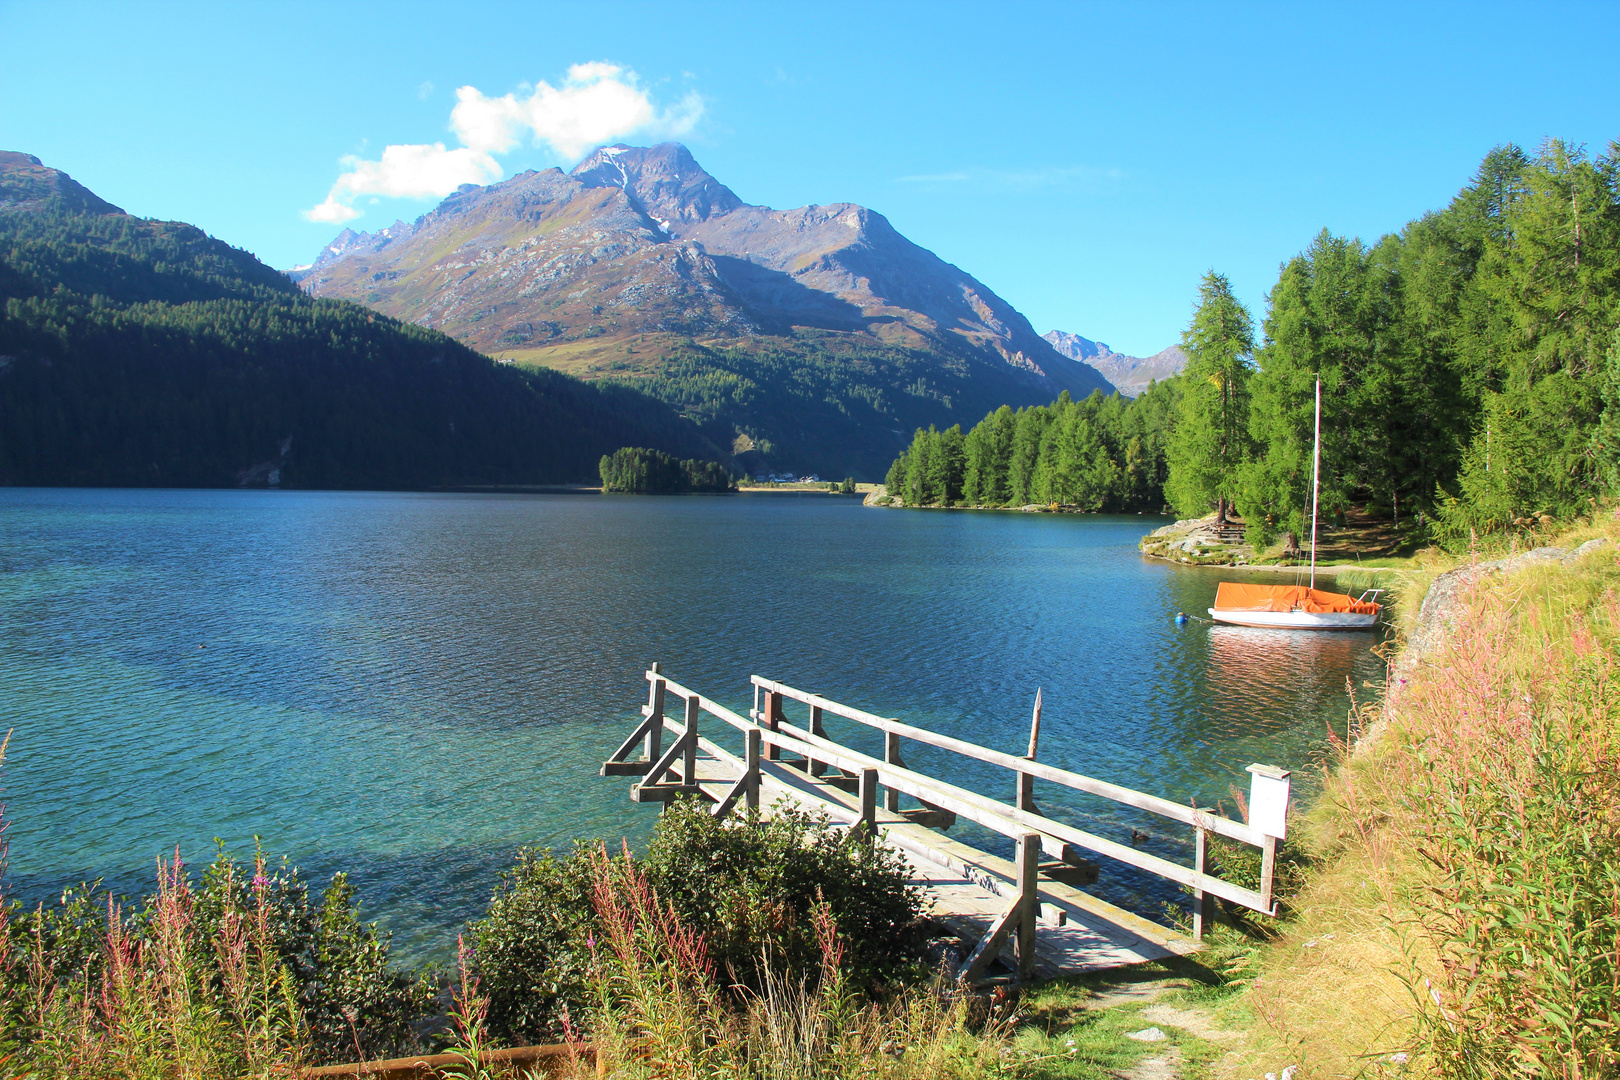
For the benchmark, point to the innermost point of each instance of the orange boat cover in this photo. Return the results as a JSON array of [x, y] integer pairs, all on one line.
[[1231, 596]]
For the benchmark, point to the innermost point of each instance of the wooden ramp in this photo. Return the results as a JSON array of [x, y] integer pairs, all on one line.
[[1028, 914]]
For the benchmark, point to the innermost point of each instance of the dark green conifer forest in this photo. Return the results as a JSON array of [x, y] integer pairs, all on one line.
[[1470, 371], [653, 472], [137, 352]]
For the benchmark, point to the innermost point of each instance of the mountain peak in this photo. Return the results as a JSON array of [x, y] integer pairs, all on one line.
[[1130, 374], [665, 180], [28, 184]]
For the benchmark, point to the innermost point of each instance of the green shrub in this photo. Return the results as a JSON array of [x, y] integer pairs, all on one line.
[[748, 885], [532, 949]]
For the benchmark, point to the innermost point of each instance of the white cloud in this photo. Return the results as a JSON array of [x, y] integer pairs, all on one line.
[[597, 103]]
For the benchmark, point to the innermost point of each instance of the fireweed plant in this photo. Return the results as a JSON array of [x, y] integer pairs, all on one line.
[[235, 973]]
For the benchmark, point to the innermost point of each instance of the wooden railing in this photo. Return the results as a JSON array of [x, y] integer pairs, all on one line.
[[768, 733]]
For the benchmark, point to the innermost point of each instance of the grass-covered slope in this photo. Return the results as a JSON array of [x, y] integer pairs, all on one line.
[[137, 352], [1461, 917]]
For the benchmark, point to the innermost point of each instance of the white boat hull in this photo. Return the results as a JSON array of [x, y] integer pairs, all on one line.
[[1296, 620]]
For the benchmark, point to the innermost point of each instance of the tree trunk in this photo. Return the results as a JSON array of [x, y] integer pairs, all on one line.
[[1290, 544]]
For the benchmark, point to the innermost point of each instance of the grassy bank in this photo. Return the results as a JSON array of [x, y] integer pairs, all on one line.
[[1461, 917]]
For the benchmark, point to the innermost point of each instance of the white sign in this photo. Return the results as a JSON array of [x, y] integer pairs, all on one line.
[[1268, 800]]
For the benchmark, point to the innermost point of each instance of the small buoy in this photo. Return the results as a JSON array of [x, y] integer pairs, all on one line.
[[1181, 619]]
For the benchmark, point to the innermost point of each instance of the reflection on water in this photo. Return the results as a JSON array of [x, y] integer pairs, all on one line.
[[1256, 679], [410, 686]]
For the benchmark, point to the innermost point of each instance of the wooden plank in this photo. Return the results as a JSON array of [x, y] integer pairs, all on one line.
[[1268, 868], [625, 768], [868, 796], [817, 768], [1008, 820], [545, 1059], [689, 743], [1141, 800], [625, 747], [1203, 903], [751, 767], [655, 708], [1029, 897], [645, 793], [891, 755], [985, 951], [981, 809]]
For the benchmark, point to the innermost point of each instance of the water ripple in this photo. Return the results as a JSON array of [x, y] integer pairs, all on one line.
[[410, 686]]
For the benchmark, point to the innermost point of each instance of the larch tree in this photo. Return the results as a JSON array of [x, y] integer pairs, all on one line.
[[1211, 433]]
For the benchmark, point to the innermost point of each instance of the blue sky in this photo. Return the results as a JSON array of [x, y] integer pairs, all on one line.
[[1086, 161]]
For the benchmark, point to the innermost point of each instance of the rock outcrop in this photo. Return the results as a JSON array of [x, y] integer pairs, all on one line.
[[1194, 540]]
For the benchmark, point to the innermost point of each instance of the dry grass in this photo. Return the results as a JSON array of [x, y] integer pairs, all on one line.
[[1462, 919]]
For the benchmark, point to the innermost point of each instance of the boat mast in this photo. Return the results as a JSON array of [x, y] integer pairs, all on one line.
[[1316, 476]]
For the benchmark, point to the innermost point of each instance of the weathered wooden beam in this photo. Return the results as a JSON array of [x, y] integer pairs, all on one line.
[[751, 746], [1203, 902], [984, 953], [689, 743], [1142, 801], [655, 712], [625, 747], [891, 755], [995, 815], [817, 768], [868, 793], [645, 793], [625, 768], [1029, 899], [1268, 869], [1006, 819]]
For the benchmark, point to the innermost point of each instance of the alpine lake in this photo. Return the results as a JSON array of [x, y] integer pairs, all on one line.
[[409, 687]]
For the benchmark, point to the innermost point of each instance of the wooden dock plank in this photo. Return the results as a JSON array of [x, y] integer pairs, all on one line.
[[964, 888]]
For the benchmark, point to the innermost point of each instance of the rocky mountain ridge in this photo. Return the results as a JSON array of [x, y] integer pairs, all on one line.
[[28, 184], [638, 241], [1130, 374]]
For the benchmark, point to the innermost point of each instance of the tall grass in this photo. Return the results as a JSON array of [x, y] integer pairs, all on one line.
[[1464, 919]]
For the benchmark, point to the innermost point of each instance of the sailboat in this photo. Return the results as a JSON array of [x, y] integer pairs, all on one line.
[[1297, 607]]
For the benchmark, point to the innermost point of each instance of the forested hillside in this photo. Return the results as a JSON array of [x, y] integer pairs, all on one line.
[[137, 352], [1102, 453], [1470, 370]]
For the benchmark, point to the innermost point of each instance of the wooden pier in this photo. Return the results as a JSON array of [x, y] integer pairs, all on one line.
[[1028, 913]]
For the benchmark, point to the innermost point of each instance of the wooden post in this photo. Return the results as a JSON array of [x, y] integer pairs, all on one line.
[[1203, 903], [751, 759], [1268, 867], [891, 754], [655, 734], [1026, 782], [690, 741], [773, 721], [868, 792], [817, 768], [1029, 898]]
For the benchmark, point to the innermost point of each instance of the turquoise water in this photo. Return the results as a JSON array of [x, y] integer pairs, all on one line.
[[410, 686]]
